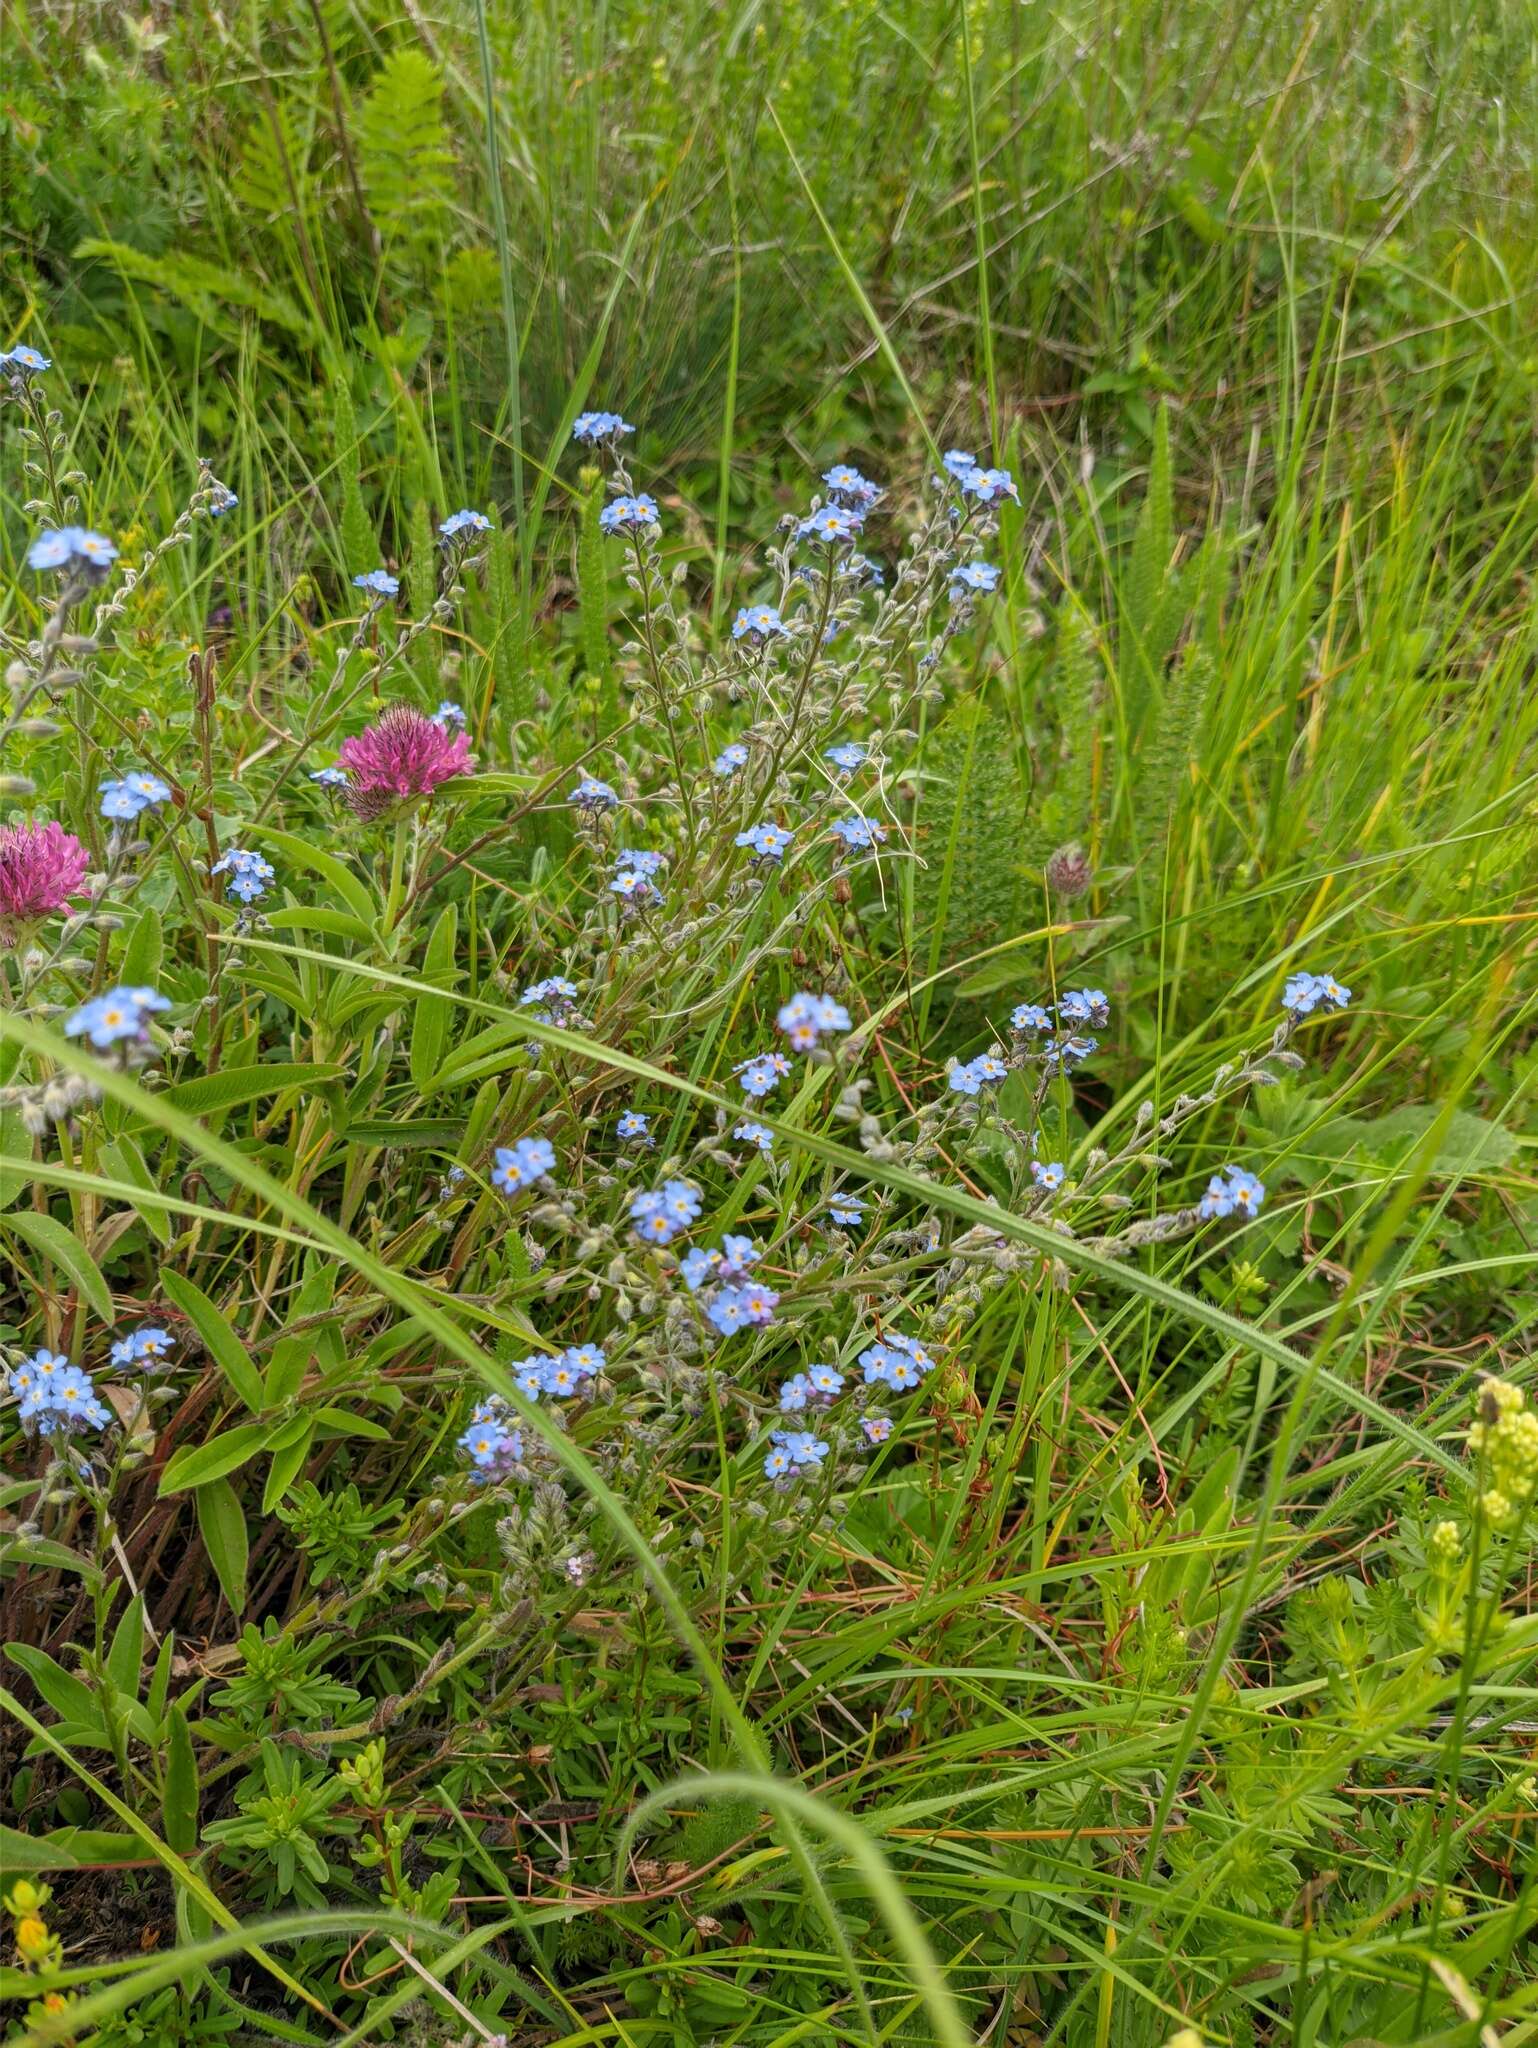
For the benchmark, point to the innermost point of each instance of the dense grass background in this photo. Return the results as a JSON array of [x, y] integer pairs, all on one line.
[[1245, 298]]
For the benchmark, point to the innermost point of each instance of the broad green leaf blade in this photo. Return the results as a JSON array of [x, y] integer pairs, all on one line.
[[287, 1464], [60, 1245], [70, 1697], [223, 1523], [179, 1807], [292, 1353], [63, 1849], [144, 951], [340, 878], [196, 1464], [234, 1085], [124, 1160], [126, 1654], [430, 1023], [224, 1347]]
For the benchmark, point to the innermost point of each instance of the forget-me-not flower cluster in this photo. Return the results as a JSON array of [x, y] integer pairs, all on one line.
[[54, 1397], [594, 427], [629, 514], [249, 874], [762, 1073], [768, 842], [805, 1019], [1233, 1192], [660, 1214], [132, 794], [122, 1013], [1306, 993], [519, 1166]]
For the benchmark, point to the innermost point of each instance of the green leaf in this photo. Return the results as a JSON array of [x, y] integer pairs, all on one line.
[[127, 1652], [232, 1085], [15, 1155], [497, 782], [1469, 1144], [1006, 972], [196, 1464], [140, 964], [70, 1697], [160, 1677], [179, 1806], [313, 917], [287, 1464], [124, 1161], [49, 1556], [345, 1423], [293, 1352], [60, 1244], [223, 1523], [300, 853], [275, 981], [64, 1849], [207, 289], [430, 1024], [224, 1347], [413, 1133]]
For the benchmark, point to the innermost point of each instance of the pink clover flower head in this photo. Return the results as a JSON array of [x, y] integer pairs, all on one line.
[[41, 868], [402, 758]]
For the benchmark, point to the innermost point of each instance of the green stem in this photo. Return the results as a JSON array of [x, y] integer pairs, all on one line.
[[397, 889]]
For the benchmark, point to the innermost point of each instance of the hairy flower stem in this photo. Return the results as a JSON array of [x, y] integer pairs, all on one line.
[[660, 684], [396, 891]]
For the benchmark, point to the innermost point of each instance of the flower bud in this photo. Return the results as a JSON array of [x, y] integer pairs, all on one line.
[[1069, 874]]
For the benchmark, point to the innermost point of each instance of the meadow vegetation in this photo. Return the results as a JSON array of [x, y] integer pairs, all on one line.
[[768, 811]]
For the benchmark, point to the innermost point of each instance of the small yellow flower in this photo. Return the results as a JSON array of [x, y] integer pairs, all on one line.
[[23, 1898], [1506, 1438], [33, 1939]]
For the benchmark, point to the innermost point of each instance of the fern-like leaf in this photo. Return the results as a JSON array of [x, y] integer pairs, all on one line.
[[509, 664], [360, 545], [1164, 759], [205, 289], [405, 158], [1064, 813], [275, 162], [966, 895]]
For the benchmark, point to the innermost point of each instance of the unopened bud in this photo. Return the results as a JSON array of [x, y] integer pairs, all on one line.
[[17, 785], [37, 729], [1069, 874]]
